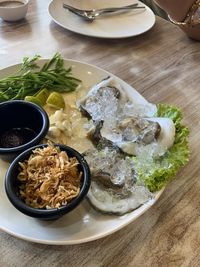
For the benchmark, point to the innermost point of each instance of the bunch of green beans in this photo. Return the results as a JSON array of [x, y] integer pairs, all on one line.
[[31, 79]]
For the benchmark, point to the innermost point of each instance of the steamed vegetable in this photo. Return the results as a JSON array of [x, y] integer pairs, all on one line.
[[31, 79], [157, 171]]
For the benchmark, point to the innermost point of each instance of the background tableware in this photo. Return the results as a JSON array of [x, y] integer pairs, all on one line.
[[12, 186], [13, 12], [18, 119], [128, 24], [92, 14]]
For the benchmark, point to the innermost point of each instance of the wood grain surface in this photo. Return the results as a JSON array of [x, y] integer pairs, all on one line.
[[163, 65]]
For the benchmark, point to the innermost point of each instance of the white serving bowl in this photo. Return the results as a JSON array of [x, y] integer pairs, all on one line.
[[13, 13]]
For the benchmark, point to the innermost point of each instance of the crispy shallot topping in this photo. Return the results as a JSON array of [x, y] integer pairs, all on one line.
[[49, 178]]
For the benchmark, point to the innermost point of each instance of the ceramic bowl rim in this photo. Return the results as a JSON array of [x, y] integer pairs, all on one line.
[[12, 8]]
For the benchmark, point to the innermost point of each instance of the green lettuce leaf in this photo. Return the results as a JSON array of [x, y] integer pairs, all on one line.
[[156, 172]]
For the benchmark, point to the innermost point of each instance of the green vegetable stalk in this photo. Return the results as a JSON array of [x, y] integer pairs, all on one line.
[[156, 173], [31, 79]]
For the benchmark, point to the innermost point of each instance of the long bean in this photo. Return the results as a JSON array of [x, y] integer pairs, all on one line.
[[30, 79]]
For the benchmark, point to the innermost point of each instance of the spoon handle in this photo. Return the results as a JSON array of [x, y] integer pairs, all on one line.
[[99, 10]]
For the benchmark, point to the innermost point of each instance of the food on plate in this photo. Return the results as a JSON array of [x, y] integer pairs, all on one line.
[[53, 99], [56, 100], [68, 127], [114, 187], [128, 101], [133, 147], [49, 178], [151, 138], [15, 137], [156, 169], [33, 99], [42, 96], [32, 78], [130, 134], [122, 120]]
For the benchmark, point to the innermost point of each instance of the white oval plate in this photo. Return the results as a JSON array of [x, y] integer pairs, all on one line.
[[122, 25], [84, 223]]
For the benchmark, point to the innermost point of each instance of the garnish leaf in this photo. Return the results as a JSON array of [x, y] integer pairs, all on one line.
[[159, 171]]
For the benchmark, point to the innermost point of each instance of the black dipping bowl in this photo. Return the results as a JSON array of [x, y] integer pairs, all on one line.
[[12, 186], [19, 114]]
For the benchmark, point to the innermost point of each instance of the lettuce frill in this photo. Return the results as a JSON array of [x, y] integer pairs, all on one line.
[[159, 170]]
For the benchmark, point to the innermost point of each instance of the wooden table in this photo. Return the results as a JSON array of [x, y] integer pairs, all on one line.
[[163, 64]]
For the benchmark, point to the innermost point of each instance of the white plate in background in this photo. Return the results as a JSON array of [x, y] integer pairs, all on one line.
[[126, 24]]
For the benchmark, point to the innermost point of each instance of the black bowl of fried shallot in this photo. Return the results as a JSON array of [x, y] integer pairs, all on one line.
[[47, 182]]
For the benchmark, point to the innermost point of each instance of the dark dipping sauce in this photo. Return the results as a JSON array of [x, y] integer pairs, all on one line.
[[16, 137]]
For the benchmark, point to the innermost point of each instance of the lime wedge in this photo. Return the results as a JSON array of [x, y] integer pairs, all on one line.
[[33, 99], [56, 100], [42, 96]]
